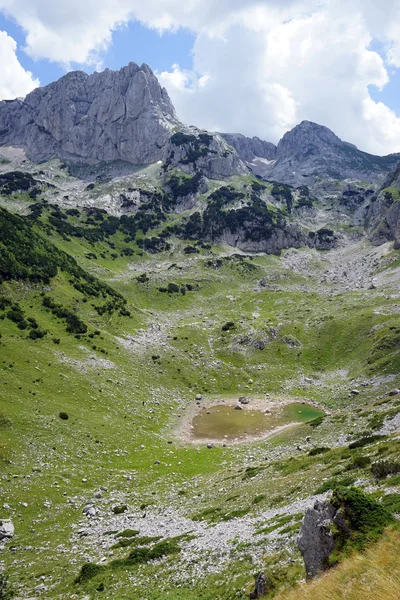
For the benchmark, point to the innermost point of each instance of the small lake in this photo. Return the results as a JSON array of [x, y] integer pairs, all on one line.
[[224, 421]]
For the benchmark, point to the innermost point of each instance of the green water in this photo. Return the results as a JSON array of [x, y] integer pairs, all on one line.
[[228, 423]]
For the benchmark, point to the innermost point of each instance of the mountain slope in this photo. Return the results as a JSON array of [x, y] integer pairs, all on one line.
[[310, 152]]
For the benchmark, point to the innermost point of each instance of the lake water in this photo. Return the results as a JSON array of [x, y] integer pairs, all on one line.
[[224, 422]]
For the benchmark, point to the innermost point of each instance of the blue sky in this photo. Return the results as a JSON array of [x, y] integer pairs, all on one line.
[[131, 42], [256, 67]]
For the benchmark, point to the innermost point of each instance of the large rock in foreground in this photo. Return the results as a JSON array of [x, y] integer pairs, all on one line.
[[331, 526]]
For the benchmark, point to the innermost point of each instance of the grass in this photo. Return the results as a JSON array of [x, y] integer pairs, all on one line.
[[374, 574], [100, 381]]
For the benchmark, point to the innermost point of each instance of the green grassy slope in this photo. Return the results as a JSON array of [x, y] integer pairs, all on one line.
[[129, 380]]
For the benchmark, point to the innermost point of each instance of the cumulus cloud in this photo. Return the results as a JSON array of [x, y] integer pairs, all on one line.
[[14, 80], [259, 66], [265, 77]]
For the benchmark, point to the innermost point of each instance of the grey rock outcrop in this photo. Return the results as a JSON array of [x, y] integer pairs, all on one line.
[[6, 529], [317, 540], [195, 151], [381, 211], [249, 148], [106, 116], [309, 153]]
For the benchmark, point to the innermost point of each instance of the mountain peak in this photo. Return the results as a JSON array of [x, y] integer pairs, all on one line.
[[107, 115]]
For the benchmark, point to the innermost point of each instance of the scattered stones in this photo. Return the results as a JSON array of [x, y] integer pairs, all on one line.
[[394, 392], [355, 392], [199, 397], [238, 407], [210, 445]]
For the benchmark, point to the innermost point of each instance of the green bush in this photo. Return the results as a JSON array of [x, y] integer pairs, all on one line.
[[360, 462], [383, 468], [316, 451], [118, 510], [89, 571], [365, 441], [228, 326]]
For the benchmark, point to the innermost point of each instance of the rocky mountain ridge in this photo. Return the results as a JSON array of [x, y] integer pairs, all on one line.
[[308, 153], [120, 115]]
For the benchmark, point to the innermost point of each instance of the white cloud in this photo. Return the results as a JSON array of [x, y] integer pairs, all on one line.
[[259, 66], [14, 80]]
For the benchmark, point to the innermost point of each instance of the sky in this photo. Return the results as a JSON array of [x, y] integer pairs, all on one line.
[[256, 67]]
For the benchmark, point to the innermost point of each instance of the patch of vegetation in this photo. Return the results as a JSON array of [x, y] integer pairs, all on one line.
[[365, 520], [316, 451], [316, 422], [366, 441], [383, 468], [89, 571], [74, 323], [128, 533], [16, 182], [332, 484], [251, 472], [119, 509], [359, 462], [392, 503], [6, 589]]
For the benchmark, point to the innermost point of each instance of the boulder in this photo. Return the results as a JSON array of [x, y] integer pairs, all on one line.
[[244, 400], [6, 529], [261, 587]]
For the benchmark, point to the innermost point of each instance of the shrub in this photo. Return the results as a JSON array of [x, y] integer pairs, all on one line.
[[383, 468], [228, 326], [128, 533], [37, 334], [316, 451], [89, 571], [366, 517], [360, 462], [365, 441], [332, 484], [63, 416], [173, 288], [118, 510]]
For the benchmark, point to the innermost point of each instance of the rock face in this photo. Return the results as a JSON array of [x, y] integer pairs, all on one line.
[[249, 148], [194, 151], [310, 152], [106, 116], [381, 211], [317, 541]]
